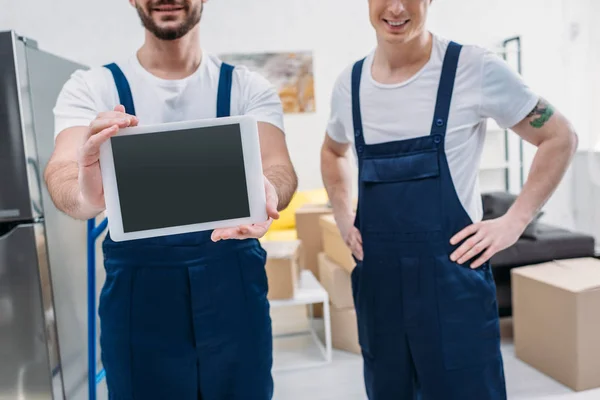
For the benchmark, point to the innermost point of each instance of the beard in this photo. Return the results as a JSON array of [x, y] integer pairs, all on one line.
[[192, 18]]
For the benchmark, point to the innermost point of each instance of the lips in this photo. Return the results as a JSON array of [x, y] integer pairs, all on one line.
[[168, 8], [396, 24]]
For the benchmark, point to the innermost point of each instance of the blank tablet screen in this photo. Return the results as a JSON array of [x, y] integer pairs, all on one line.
[[182, 177]]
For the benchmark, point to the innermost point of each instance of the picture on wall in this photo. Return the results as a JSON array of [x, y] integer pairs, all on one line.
[[291, 74]]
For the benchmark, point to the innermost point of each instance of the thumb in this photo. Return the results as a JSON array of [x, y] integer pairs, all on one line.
[[272, 200], [272, 209], [120, 108]]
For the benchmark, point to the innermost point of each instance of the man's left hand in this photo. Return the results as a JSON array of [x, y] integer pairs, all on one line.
[[487, 237], [255, 230]]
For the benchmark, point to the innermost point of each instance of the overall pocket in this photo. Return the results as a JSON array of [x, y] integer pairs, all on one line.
[[253, 262], [255, 288], [362, 305], [401, 193], [468, 314]]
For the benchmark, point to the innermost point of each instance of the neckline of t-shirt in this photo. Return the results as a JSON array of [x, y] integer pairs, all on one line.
[[168, 82], [369, 72]]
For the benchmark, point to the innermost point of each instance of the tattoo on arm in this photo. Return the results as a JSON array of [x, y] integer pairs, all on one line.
[[540, 114], [285, 181]]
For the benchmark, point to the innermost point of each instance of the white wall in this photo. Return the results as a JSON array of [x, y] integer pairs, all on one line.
[[338, 32], [594, 75], [556, 60]]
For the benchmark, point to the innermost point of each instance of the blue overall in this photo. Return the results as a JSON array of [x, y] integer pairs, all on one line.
[[428, 327], [182, 317]]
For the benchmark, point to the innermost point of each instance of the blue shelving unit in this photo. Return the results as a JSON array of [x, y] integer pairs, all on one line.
[[93, 232]]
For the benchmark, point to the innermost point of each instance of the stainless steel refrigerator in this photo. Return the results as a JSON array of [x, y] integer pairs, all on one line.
[[43, 285]]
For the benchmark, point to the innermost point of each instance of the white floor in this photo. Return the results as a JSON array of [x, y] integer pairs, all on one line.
[[342, 379]]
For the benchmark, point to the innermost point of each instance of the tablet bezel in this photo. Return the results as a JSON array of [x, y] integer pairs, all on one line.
[[252, 167]]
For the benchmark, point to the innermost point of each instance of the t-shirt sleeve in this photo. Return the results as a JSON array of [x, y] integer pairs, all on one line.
[[340, 110], [75, 105], [261, 99], [506, 98]]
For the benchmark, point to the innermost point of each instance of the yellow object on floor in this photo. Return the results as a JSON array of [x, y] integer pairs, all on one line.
[[280, 235], [287, 217]]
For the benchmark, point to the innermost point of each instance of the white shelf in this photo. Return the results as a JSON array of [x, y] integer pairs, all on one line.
[[308, 292]]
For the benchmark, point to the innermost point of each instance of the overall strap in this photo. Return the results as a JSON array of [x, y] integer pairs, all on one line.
[[446, 86], [125, 97], [224, 93], [359, 140]]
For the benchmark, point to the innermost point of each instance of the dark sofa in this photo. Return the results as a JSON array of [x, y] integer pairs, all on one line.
[[539, 243]]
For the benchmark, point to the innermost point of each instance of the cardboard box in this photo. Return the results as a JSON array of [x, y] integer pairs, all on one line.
[[336, 281], [344, 330], [309, 232], [333, 244], [282, 268], [556, 314], [289, 319]]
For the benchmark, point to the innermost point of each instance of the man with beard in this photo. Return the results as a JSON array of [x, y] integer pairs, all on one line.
[[414, 110], [185, 316]]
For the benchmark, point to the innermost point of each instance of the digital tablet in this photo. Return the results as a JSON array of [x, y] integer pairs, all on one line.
[[183, 177]]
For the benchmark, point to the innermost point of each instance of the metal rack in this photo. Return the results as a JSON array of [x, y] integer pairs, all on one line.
[[506, 45], [93, 232], [509, 168]]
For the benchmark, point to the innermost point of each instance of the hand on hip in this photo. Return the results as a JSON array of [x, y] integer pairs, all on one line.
[[486, 238]]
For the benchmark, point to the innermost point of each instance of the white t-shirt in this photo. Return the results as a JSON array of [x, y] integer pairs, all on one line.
[[485, 87], [156, 100]]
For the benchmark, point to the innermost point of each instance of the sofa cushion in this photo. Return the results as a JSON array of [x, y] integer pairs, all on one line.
[[496, 204], [550, 243]]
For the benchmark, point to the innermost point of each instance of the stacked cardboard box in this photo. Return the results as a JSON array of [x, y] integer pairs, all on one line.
[[335, 268], [333, 244], [556, 323], [309, 232], [336, 280], [283, 269]]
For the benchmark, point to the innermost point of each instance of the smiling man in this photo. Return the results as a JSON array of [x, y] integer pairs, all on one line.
[[183, 317], [415, 110]]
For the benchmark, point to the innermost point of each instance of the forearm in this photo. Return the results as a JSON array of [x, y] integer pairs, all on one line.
[[63, 185], [284, 179], [337, 179], [549, 165]]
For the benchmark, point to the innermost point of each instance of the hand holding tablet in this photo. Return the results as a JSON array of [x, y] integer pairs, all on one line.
[[257, 230], [106, 125], [184, 177]]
